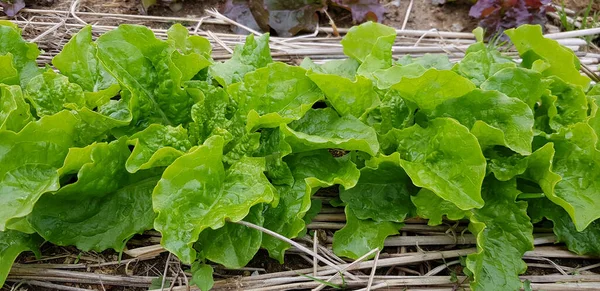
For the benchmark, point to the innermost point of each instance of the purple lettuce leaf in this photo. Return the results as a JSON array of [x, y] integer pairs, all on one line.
[[12, 7], [362, 10], [239, 11]]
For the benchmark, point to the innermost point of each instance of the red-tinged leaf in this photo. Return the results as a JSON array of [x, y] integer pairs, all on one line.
[[498, 15], [362, 10], [287, 17], [239, 11], [12, 7]]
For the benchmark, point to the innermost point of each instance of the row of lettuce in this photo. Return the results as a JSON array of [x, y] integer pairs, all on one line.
[[130, 132]]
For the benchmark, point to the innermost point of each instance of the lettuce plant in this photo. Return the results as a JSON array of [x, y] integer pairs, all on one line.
[[136, 133], [499, 15]]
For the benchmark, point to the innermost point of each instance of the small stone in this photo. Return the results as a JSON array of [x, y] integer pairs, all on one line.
[[457, 27]]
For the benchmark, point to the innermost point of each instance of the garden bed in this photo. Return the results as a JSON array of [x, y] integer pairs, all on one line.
[[420, 257]]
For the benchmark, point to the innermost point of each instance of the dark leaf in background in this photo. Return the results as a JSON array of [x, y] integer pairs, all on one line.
[[362, 10], [239, 11], [498, 15], [286, 17], [12, 7]]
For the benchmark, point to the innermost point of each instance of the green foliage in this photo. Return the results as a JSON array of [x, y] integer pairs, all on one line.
[[135, 133]]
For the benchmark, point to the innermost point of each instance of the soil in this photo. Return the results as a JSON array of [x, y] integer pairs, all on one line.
[[423, 15]]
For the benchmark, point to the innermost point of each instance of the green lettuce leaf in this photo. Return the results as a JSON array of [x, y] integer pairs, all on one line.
[[105, 206], [504, 233], [394, 112], [14, 111], [358, 43], [30, 159], [427, 61], [195, 193], [23, 53], [382, 192], [12, 243], [202, 276], [358, 237], [50, 93], [533, 46], [233, 245], [79, 62], [494, 118], [570, 105], [582, 243], [380, 56], [348, 97], [311, 171], [253, 55], [191, 52], [323, 129], [480, 63], [577, 161], [143, 65], [273, 148], [434, 208], [524, 84], [388, 77], [429, 155], [433, 88], [212, 115], [273, 95], [8, 73], [344, 68], [157, 146]]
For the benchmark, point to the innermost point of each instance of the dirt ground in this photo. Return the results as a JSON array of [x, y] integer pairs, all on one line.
[[423, 15]]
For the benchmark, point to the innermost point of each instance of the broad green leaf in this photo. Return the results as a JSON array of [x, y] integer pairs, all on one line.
[[323, 129], [8, 73], [105, 206], [582, 243], [311, 171], [389, 77], [50, 93], [506, 164], [157, 146], [433, 88], [429, 155], [195, 193], [504, 233], [348, 97], [427, 61], [577, 161], [434, 208], [180, 39], [394, 112], [524, 84], [191, 52], [359, 41], [12, 243], [14, 111], [212, 115], [571, 105], [253, 55], [142, 64], [273, 148], [379, 58], [494, 118], [23, 53], [382, 192], [233, 245], [202, 276], [29, 161], [79, 62], [358, 237], [532, 46], [344, 68], [273, 95], [480, 63]]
